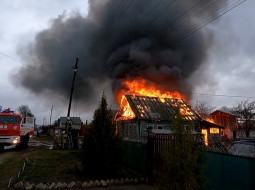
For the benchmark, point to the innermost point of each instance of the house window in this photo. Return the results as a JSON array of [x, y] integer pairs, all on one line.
[[214, 131], [149, 127]]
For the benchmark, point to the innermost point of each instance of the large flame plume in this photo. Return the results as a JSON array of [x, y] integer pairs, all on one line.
[[144, 88]]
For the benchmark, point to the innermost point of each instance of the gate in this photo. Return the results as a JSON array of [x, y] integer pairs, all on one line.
[[157, 148]]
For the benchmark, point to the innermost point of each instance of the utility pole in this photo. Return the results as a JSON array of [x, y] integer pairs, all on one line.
[[44, 119], [68, 128], [51, 113], [72, 87]]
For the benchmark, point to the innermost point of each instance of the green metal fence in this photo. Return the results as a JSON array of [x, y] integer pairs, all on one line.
[[135, 156], [224, 172], [230, 172]]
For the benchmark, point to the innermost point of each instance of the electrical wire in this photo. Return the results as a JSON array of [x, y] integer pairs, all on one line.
[[77, 84], [128, 5], [180, 28], [208, 21], [24, 65]]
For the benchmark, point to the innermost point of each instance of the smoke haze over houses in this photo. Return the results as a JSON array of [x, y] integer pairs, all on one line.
[[122, 39]]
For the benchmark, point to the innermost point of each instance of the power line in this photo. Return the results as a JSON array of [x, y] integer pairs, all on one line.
[[25, 65], [194, 93], [126, 8], [223, 95], [209, 21], [182, 34], [198, 19]]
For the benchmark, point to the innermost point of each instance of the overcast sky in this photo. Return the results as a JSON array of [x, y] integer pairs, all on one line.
[[230, 64]]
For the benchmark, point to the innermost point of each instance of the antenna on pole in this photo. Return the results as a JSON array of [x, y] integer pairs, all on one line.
[[72, 87]]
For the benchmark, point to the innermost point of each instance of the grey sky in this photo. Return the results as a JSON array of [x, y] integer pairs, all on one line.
[[21, 20], [230, 67], [232, 54]]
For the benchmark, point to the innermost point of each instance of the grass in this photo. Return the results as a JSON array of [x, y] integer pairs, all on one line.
[[44, 138], [52, 165], [12, 164], [47, 166], [10, 168]]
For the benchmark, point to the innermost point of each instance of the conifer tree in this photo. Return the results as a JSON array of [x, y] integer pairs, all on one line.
[[101, 148]]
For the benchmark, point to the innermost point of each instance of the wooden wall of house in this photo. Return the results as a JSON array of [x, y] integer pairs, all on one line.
[[129, 130], [228, 121], [137, 130], [225, 120]]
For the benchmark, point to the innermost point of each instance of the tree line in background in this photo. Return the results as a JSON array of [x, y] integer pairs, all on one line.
[[25, 111]]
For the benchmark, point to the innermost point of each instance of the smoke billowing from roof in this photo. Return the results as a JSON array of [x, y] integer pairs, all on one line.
[[118, 40]]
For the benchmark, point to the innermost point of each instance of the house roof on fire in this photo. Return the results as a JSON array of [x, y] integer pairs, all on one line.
[[155, 108]]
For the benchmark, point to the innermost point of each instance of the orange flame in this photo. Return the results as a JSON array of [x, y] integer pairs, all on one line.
[[209, 120], [127, 111], [143, 88]]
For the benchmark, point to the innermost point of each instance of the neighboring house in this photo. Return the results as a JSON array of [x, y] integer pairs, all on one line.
[[139, 115], [77, 128], [228, 120], [211, 131], [76, 122]]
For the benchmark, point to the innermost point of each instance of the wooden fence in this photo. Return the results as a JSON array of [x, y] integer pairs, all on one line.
[[157, 148]]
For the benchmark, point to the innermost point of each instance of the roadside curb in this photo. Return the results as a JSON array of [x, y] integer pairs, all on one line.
[[80, 184], [12, 180]]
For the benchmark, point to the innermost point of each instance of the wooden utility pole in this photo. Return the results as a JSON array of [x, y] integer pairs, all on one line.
[[51, 113], [72, 87]]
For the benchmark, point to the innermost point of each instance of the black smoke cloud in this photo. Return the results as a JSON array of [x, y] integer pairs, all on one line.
[[118, 40]]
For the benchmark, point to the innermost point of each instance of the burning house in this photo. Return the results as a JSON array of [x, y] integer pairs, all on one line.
[[138, 115], [125, 42], [144, 108]]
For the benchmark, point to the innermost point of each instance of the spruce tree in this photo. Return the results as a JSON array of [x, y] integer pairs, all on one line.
[[101, 147]]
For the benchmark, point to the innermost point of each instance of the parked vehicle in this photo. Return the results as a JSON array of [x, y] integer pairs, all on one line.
[[14, 129], [28, 126], [243, 148]]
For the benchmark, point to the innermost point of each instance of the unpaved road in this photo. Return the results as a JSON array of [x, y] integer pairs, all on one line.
[[31, 147], [6, 154], [12, 152]]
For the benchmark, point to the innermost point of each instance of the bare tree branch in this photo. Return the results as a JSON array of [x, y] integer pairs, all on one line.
[[203, 109], [245, 110], [25, 111]]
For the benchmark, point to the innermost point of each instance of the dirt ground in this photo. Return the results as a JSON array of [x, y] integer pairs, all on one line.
[[5, 155]]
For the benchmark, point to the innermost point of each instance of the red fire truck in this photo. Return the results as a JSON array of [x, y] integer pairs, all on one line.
[[11, 130]]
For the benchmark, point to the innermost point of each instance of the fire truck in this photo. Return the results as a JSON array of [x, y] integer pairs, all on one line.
[[14, 129]]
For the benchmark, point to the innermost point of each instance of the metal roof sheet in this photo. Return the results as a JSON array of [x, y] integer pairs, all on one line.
[[155, 108]]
